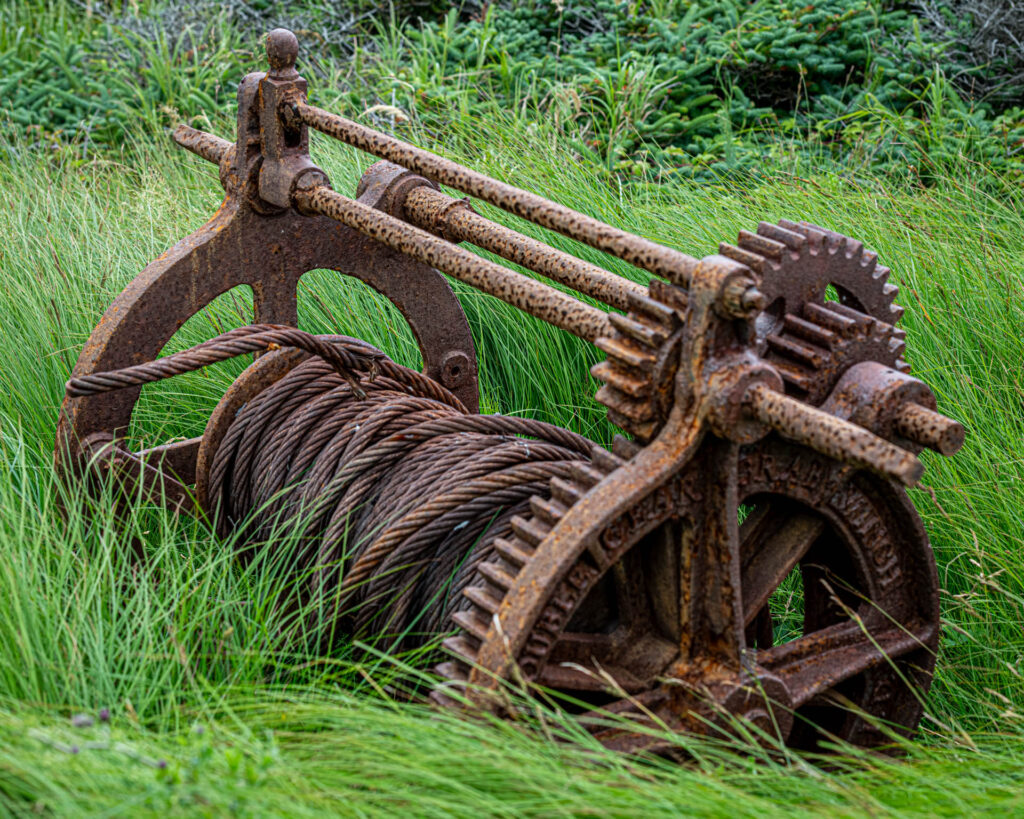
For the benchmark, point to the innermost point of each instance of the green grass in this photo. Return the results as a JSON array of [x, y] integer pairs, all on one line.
[[191, 639]]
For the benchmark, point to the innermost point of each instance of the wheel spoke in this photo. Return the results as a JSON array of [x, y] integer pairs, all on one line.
[[612, 725], [819, 661], [772, 542], [624, 659], [710, 607]]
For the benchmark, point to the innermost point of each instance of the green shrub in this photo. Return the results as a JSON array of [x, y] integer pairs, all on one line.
[[709, 88]]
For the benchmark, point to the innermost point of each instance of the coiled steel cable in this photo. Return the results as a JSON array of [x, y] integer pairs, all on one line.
[[396, 491]]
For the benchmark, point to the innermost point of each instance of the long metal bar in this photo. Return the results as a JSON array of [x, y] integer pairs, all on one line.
[[832, 436], [453, 218], [210, 147], [643, 253], [531, 296], [930, 429]]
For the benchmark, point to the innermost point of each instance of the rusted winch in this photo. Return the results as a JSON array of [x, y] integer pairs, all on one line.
[[766, 382]]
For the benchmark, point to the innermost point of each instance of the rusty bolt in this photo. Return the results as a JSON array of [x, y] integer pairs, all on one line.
[[455, 368]]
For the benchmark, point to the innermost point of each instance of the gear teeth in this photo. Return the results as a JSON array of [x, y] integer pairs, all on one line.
[[514, 551], [804, 353], [461, 647], [532, 531], [862, 321], [761, 245], [620, 379], [853, 248], [585, 474], [636, 411], [651, 335], [754, 261], [604, 460], [471, 624], [812, 351], [809, 331], [453, 671], [790, 238], [624, 448], [549, 511], [643, 430], [455, 675], [794, 376], [658, 311], [841, 325], [566, 491], [482, 597], [816, 239], [628, 352], [903, 366], [634, 347], [668, 297], [818, 339], [497, 574]]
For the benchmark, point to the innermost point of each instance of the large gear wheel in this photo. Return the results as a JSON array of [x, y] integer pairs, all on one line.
[[829, 305], [798, 261], [607, 627]]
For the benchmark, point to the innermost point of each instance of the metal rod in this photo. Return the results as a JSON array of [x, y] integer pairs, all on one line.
[[643, 253], [456, 221], [534, 297], [930, 429], [832, 436], [209, 147]]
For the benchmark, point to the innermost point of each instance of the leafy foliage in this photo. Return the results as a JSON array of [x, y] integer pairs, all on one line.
[[693, 88], [645, 90]]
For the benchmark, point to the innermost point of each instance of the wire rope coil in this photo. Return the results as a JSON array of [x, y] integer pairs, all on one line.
[[397, 491]]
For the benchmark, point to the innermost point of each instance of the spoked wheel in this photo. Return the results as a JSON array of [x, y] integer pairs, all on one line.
[[630, 638]]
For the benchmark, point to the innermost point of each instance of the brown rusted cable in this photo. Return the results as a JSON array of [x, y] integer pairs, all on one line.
[[347, 359], [531, 296], [456, 221], [663, 261], [394, 493], [832, 436]]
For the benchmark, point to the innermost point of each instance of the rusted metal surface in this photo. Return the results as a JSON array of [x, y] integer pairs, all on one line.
[[643, 253], [625, 579], [529, 295], [832, 436], [208, 146], [928, 428], [455, 220]]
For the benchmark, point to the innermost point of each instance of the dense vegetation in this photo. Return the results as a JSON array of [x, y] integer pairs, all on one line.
[[655, 89], [176, 687]]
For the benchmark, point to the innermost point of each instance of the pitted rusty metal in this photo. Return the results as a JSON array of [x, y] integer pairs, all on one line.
[[832, 436], [643, 253], [458, 222], [742, 383], [929, 428], [527, 294], [208, 146]]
